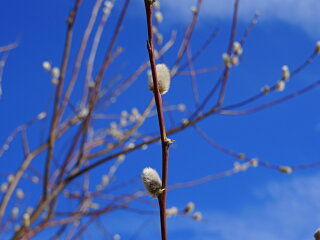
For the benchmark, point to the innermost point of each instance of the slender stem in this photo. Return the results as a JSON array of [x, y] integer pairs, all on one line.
[[95, 92], [272, 103], [164, 141], [224, 77], [55, 118], [229, 52], [81, 52], [186, 38]]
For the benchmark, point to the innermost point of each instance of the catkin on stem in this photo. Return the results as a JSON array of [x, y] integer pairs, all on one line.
[[164, 78], [151, 182]]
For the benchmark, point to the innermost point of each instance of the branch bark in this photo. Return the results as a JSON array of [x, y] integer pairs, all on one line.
[[165, 143]]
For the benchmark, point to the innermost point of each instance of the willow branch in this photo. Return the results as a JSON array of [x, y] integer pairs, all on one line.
[[55, 118], [165, 143]]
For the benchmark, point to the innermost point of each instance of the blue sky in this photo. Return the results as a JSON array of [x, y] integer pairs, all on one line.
[[258, 204]]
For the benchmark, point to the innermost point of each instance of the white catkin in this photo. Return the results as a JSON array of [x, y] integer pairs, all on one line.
[[226, 60], [46, 66], [285, 169], [197, 216], [156, 5], [55, 72], [254, 162], [164, 78], [151, 181], [159, 17], [14, 212], [285, 73], [26, 219], [237, 48], [20, 193], [173, 211], [189, 208], [42, 115], [280, 86], [265, 89], [194, 9]]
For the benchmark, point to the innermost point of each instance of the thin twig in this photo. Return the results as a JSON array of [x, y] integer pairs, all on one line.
[[187, 38], [193, 77], [81, 52], [270, 104], [229, 52], [95, 92], [56, 117]]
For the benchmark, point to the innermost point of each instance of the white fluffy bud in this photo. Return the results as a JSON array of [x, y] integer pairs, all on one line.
[[285, 169], [237, 48], [159, 17], [20, 193], [265, 89], [156, 5], [254, 162], [173, 211], [151, 182], [285, 73], [197, 216], [280, 86], [226, 60], [163, 75], [194, 10], [26, 219], [189, 208], [46, 66], [42, 115], [14, 213], [55, 72]]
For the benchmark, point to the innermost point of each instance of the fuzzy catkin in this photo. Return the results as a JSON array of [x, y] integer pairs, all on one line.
[[163, 76], [151, 182], [189, 208]]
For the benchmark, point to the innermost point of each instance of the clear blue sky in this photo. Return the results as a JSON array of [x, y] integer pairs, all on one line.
[[260, 203]]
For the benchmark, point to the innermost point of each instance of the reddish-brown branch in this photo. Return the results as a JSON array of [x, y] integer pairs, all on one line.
[[187, 38], [80, 55], [95, 92], [229, 52], [164, 141], [202, 180], [224, 78], [56, 117], [8, 47], [92, 56], [270, 104], [25, 143]]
